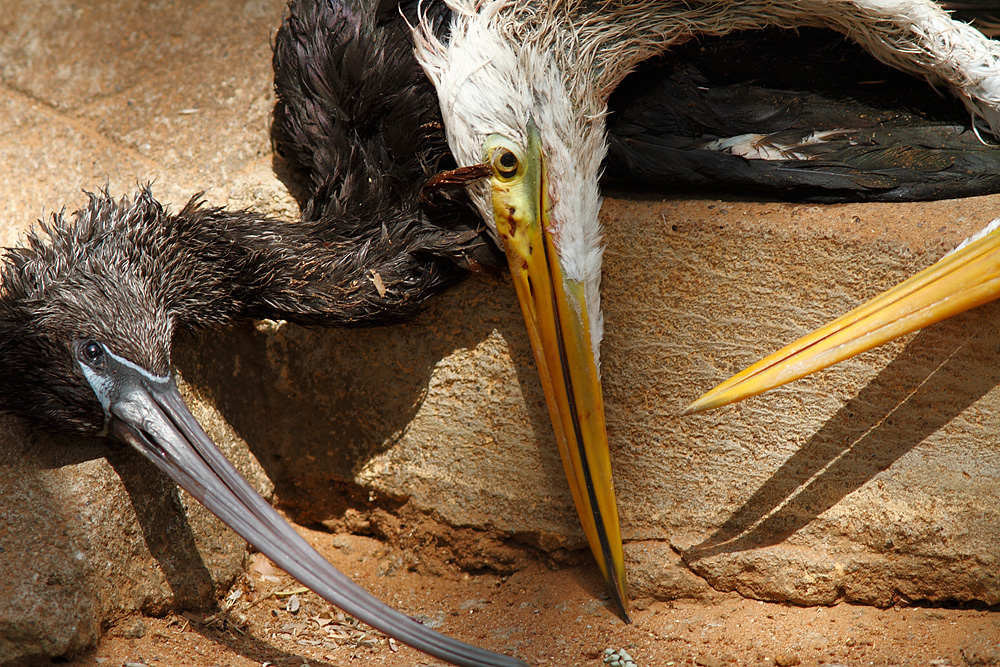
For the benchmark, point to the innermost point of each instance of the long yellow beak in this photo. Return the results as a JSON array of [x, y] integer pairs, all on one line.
[[555, 312], [964, 279]]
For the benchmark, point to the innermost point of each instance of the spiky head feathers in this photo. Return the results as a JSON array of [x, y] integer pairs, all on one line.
[[96, 275]]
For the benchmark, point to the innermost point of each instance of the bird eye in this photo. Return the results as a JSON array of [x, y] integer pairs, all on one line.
[[505, 163], [92, 351]]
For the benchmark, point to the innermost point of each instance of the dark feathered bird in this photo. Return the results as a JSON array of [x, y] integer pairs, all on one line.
[[358, 125], [320, 88], [809, 117], [90, 302], [791, 120]]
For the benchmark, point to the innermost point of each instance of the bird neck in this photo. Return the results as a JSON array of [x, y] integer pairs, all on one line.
[[374, 267]]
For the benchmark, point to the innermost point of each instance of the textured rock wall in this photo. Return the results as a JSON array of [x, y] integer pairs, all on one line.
[[873, 481], [90, 532], [870, 482]]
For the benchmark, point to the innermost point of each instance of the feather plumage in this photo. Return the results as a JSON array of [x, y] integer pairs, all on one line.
[[90, 301], [808, 117]]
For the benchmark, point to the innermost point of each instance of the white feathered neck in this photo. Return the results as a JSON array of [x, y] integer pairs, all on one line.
[[502, 68]]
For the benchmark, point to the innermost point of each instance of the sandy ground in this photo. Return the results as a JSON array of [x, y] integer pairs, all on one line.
[[544, 614]]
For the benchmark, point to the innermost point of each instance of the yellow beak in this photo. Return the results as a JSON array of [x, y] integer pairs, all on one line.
[[555, 312], [964, 279]]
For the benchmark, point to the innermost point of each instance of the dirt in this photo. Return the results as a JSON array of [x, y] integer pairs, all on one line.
[[544, 613]]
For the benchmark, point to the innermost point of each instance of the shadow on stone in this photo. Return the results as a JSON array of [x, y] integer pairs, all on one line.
[[316, 404], [940, 373], [157, 505], [51, 451], [48, 601], [296, 186]]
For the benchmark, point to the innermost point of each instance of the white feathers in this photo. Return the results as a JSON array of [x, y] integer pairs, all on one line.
[[762, 147], [940, 49], [489, 83], [985, 231]]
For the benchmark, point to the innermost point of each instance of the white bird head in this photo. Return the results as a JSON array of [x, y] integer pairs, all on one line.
[[510, 85], [516, 95]]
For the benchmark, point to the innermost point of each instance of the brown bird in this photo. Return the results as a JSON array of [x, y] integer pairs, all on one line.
[[90, 302]]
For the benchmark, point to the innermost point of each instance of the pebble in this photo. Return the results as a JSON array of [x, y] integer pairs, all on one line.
[[619, 658], [136, 631], [786, 660]]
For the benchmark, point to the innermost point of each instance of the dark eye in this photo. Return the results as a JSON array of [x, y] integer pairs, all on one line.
[[505, 163], [92, 350]]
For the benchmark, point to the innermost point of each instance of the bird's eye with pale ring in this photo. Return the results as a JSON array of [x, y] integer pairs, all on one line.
[[505, 163], [91, 351]]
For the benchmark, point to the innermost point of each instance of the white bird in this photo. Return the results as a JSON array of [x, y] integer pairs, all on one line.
[[523, 87]]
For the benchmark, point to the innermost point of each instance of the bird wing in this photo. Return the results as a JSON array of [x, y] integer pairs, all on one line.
[[810, 117]]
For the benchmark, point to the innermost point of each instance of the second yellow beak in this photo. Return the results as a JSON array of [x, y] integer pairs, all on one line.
[[965, 278], [555, 312]]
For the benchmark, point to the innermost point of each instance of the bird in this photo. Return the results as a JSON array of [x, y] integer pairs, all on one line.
[[90, 301], [524, 90], [336, 267], [87, 313], [811, 117], [966, 277], [673, 123], [366, 159]]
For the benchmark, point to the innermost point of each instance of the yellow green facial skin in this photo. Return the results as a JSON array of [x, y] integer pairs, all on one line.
[[555, 313]]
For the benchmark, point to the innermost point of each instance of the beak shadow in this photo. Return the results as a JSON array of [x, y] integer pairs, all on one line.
[[940, 373]]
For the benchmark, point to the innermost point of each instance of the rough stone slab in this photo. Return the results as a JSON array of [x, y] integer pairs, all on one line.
[[90, 532], [856, 484]]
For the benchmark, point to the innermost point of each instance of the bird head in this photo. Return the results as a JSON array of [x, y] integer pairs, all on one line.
[[511, 99], [80, 306], [87, 310]]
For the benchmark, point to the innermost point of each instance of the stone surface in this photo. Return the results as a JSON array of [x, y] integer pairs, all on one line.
[[981, 652], [90, 532], [873, 482]]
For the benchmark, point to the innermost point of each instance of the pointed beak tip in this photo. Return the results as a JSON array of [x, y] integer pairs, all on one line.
[[623, 612], [178, 445], [619, 598], [702, 404], [965, 278]]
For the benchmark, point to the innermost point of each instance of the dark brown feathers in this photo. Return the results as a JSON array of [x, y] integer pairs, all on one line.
[[357, 122]]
